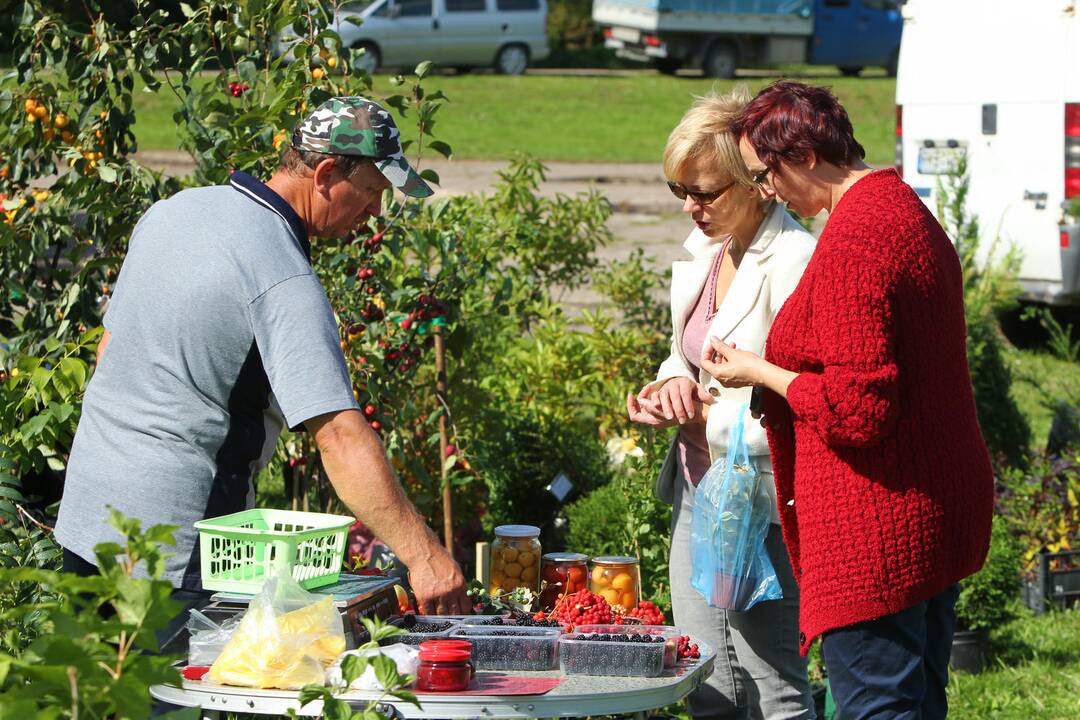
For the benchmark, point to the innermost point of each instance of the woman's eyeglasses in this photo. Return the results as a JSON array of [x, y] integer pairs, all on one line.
[[761, 177], [701, 198]]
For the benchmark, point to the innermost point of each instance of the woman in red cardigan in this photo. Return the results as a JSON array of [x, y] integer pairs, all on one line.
[[883, 480]]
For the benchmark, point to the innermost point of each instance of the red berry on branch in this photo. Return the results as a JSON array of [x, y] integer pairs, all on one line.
[[375, 425], [370, 410]]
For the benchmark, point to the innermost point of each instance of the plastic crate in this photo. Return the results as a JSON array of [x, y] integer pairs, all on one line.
[[408, 623], [628, 659], [530, 649], [239, 552]]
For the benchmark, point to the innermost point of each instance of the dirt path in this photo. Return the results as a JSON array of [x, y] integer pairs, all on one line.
[[645, 215]]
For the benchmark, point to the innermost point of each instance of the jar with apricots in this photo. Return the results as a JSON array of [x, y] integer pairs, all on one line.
[[515, 559], [617, 579]]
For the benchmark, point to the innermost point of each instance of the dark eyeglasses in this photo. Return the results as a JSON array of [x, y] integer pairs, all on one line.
[[701, 198]]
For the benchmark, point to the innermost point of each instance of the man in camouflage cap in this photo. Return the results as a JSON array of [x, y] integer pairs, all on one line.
[[357, 127], [219, 334]]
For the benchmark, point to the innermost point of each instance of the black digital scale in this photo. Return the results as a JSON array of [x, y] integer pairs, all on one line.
[[355, 596]]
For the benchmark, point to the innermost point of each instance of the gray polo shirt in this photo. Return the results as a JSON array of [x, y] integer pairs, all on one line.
[[220, 333]]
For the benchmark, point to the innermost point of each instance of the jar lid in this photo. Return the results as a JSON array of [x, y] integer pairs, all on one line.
[[446, 655], [566, 557], [518, 531], [615, 560], [446, 644]]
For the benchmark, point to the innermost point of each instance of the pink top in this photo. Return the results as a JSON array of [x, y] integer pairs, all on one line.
[[693, 444]]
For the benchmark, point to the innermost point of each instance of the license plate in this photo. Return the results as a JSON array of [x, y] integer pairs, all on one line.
[[939, 160], [626, 34]]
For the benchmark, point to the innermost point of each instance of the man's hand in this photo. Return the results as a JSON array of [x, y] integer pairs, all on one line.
[[439, 586], [355, 461]]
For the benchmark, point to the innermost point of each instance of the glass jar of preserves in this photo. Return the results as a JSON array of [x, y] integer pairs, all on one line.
[[515, 558], [443, 669], [562, 574], [450, 644], [617, 579]]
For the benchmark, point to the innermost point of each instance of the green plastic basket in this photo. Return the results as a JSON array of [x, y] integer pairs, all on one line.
[[239, 552]]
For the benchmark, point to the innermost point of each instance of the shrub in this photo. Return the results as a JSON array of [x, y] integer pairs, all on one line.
[[91, 663], [1041, 505], [990, 289], [990, 597]]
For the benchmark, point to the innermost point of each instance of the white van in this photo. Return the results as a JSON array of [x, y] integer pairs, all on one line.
[[463, 34], [1000, 81]]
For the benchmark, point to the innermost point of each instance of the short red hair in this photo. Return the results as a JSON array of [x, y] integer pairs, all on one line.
[[787, 120]]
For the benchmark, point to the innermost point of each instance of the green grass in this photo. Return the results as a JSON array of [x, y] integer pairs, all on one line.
[[1034, 673], [574, 118]]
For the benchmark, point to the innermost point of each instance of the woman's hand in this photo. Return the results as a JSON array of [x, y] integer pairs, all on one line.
[[733, 368], [678, 401]]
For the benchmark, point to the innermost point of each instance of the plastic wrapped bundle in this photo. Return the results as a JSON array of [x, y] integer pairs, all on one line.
[[731, 567], [286, 639]]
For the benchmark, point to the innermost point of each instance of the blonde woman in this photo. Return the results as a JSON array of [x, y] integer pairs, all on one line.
[[746, 257]]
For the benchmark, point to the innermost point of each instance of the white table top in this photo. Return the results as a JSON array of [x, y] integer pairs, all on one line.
[[576, 695]]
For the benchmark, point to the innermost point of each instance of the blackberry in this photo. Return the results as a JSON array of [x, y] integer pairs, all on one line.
[[487, 621], [430, 627], [529, 622]]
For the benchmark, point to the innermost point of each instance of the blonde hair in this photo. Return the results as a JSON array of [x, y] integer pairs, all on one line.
[[704, 134]]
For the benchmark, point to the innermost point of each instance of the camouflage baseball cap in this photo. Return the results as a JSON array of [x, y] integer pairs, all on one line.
[[357, 126]]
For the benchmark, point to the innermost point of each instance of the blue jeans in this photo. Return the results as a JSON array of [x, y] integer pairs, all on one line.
[[896, 666]]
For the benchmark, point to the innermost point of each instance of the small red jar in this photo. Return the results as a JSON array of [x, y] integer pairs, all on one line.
[[447, 644], [444, 669]]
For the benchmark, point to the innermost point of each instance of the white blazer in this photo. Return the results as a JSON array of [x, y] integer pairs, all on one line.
[[767, 275]]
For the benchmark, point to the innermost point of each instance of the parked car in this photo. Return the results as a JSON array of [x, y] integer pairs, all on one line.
[[1014, 114], [720, 35], [504, 34]]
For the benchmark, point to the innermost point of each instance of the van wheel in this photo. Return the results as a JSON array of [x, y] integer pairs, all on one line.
[[667, 66], [512, 60], [851, 71], [720, 61], [371, 60], [894, 60]]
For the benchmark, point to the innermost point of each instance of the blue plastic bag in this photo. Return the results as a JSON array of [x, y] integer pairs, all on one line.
[[730, 565]]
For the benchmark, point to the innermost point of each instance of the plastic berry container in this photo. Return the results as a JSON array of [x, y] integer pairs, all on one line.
[[515, 558], [617, 579], [419, 628], [443, 670], [511, 648], [629, 651], [483, 620], [562, 574]]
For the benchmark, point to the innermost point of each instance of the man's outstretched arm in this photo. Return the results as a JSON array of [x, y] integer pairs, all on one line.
[[355, 461]]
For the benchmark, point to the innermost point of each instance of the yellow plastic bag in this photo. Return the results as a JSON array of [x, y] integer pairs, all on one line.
[[286, 639]]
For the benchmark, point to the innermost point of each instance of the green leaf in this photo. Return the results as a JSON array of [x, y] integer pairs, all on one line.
[[430, 175], [107, 173], [75, 370], [247, 71], [187, 10], [422, 69], [440, 147]]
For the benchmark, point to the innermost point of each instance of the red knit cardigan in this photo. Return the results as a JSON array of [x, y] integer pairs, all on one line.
[[883, 480]]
